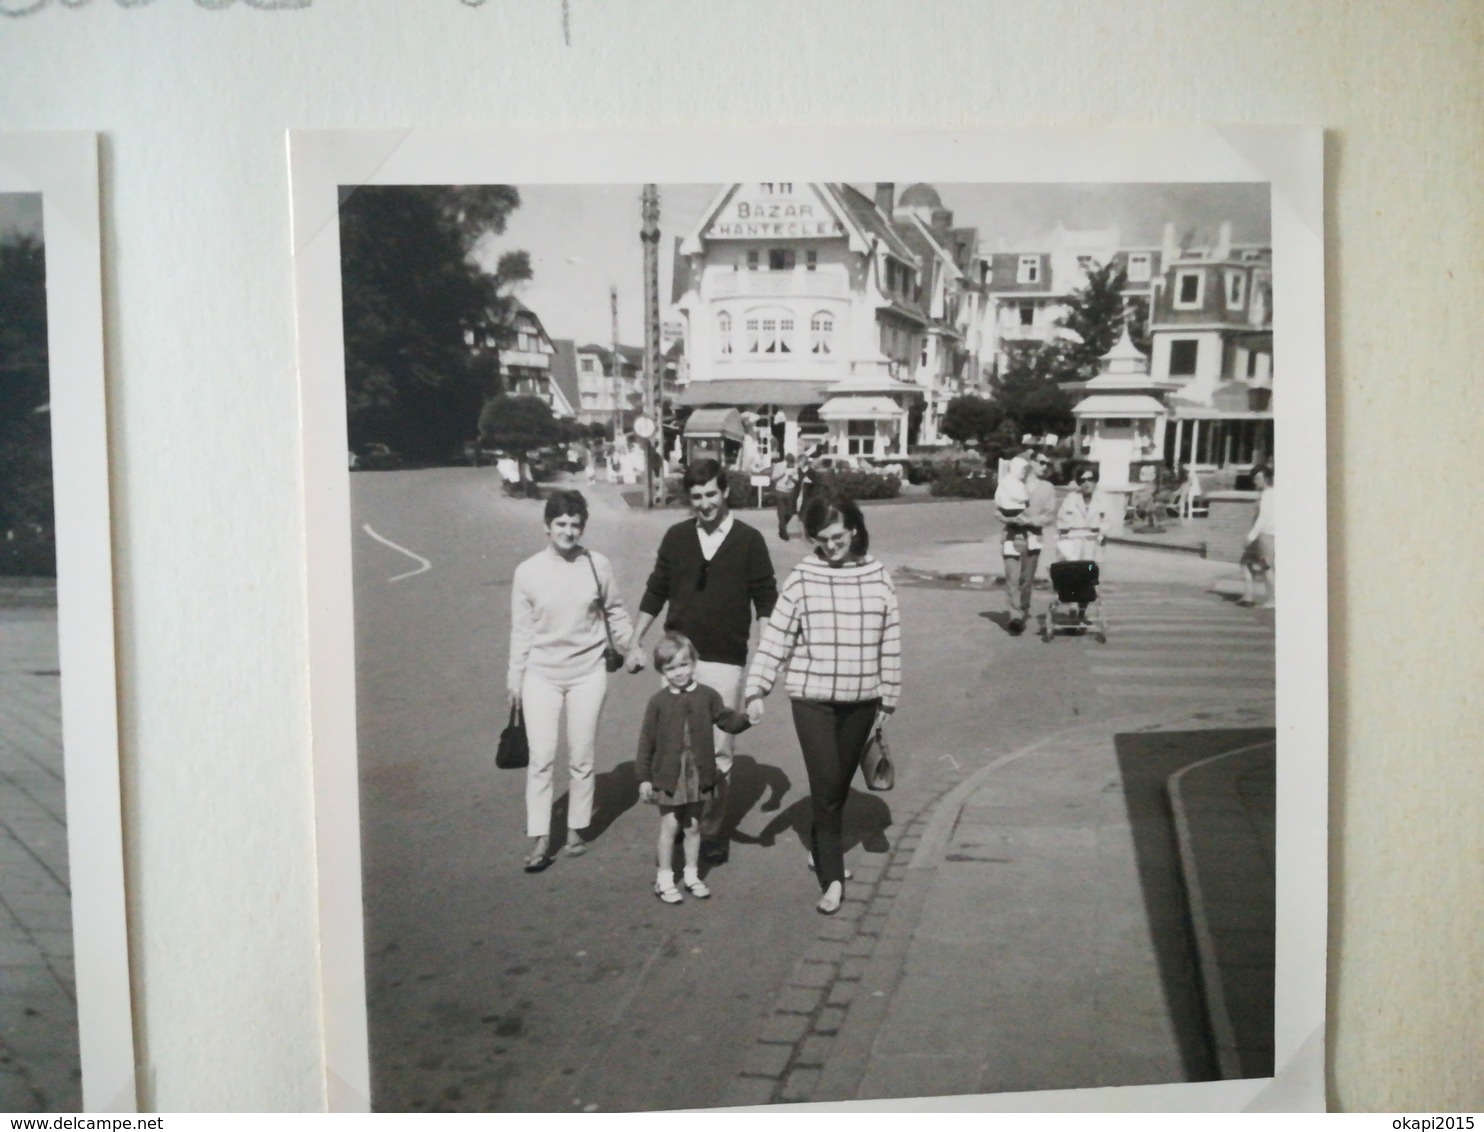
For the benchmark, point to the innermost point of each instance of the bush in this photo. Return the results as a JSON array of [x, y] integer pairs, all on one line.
[[862, 485], [964, 485]]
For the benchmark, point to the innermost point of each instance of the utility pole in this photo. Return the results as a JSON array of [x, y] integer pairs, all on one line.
[[615, 379], [649, 233]]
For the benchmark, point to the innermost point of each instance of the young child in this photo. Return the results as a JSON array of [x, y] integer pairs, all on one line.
[[676, 763], [1011, 497]]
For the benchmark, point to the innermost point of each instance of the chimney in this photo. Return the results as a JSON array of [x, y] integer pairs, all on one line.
[[1169, 248], [885, 196], [1224, 241]]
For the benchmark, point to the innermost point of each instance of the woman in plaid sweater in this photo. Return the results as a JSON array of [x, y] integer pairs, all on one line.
[[836, 630]]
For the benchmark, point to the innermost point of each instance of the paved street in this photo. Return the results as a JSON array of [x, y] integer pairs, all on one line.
[[1019, 916], [38, 1000]]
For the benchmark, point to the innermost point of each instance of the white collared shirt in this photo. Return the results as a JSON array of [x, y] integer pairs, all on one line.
[[711, 543]]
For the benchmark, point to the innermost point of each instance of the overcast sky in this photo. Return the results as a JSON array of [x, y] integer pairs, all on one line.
[[584, 238], [20, 213]]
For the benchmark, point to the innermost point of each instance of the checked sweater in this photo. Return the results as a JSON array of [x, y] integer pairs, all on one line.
[[712, 602], [838, 631]]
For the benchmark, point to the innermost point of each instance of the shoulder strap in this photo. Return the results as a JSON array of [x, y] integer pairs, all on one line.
[[602, 598]]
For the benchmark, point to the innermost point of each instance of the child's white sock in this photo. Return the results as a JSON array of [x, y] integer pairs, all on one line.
[[665, 878], [692, 874]]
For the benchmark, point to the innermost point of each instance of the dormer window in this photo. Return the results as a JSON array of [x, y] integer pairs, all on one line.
[[1029, 269], [1189, 289], [1236, 290], [1139, 267]]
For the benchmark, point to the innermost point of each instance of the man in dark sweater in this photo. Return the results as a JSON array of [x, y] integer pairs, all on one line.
[[714, 574]]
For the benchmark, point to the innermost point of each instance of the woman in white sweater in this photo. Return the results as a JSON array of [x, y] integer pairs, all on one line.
[[558, 601]]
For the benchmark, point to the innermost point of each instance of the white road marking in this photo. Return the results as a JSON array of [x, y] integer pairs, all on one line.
[[422, 569], [950, 758]]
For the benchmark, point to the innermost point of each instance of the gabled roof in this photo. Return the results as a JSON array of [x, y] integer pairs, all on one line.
[[564, 370], [870, 219]]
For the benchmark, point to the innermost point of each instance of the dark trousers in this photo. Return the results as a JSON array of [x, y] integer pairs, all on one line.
[[785, 504], [1020, 575], [832, 737]]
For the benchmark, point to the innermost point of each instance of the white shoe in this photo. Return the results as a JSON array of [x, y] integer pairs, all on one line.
[[669, 894], [696, 887]]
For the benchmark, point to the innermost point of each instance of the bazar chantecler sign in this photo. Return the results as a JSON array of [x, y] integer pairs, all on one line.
[[784, 217]]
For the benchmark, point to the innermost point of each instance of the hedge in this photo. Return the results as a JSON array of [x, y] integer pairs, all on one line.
[[961, 486]]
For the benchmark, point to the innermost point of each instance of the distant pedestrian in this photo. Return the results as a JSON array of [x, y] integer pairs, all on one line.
[[837, 632], [785, 492], [1260, 555], [676, 762], [1022, 536], [558, 601], [712, 576], [1082, 525]]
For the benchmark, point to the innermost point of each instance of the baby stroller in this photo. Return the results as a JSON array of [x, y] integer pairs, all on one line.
[[1076, 585]]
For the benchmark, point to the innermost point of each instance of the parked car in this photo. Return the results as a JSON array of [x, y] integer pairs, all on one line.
[[375, 457]]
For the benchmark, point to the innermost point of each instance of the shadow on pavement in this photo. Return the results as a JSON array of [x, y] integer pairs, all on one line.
[[866, 817], [1146, 762], [615, 792], [751, 780]]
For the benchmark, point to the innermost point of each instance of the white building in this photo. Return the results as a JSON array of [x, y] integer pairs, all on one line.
[[817, 308]]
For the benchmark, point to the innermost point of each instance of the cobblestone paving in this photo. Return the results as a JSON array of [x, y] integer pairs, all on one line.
[[803, 1050]]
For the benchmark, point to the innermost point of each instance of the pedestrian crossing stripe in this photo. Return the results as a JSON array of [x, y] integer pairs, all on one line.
[[1166, 692], [1225, 671]]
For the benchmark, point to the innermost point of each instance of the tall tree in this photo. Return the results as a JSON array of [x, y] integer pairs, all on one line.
[[1095, 312], [27, 541], [1027, 392], [423, 322]]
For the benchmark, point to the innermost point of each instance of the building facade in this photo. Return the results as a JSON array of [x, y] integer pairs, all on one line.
[[832, 316], [526, 363]]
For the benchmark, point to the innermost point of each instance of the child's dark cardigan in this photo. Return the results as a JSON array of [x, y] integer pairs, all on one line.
[[662, 738]]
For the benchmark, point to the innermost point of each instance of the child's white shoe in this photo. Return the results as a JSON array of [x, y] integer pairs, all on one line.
[[664, 888], [696, 886]]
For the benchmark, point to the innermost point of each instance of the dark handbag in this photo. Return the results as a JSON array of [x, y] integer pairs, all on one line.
[[876, 765], [513, 752], [612, 659]]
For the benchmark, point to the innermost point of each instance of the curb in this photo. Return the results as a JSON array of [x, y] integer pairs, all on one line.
[[1224, 1044], [1196, 548]]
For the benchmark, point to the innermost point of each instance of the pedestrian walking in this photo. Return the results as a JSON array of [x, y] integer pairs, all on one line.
[[1082, 526], [1021, 547], [785, 492], [836, 631], [559, 602], [712, 575], [1260, 555], [676, 763]]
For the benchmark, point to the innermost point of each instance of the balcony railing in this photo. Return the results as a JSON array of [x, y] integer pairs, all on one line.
[[528, 358], [773, 284]]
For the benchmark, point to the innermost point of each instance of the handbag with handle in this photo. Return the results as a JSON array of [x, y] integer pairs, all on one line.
[[876, 764], [513, 752], [612, 658]]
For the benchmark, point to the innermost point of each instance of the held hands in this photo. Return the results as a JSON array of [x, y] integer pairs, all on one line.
[[755, 711], [634, 662], [646, 791]]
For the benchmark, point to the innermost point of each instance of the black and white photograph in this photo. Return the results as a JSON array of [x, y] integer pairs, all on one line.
[[781, 642], [65, 1039]]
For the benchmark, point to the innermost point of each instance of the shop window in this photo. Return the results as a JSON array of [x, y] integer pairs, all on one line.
[[780, 259], [860, 438], [1236, 290], [1140, 266], [723, 333], [1029, 270], [752, 261], [1184, 353], [822, 334], [1189, 288], [811, 260]]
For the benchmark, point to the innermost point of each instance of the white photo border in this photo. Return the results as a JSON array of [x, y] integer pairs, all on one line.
[[63, 167], [1288, 158]]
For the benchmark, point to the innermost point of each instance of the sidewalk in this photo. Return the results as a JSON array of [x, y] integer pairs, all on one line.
[[1045, 923], [38, 1009]]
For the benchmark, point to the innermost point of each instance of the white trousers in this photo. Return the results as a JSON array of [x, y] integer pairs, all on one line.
[[543, 703], [729, 680]]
